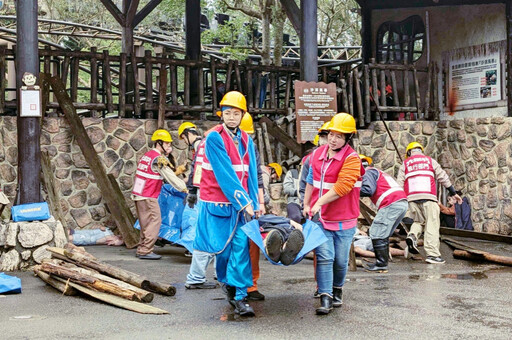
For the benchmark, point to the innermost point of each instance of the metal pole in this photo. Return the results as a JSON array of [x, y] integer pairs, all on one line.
[[308, 41], [193, 45], [27, 59]]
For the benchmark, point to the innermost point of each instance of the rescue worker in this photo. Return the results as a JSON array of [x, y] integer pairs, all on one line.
[[391, 203], [228, 197], [196, 278], [152, 169], [253, 294], [332, 192], [271, 173], [418, 175]]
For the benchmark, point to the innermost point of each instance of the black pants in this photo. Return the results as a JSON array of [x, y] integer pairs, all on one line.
[[294, 212]]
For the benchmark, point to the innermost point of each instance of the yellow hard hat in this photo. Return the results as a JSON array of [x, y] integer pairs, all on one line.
[[366, 158], [184, 126], [234, 99], [277, 168], [162, 135], [315, 141], [246, 124], [324, 127], [342, 122], [413, 145]]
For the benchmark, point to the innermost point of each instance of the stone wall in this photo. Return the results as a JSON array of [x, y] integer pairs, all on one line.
[[476, 153]]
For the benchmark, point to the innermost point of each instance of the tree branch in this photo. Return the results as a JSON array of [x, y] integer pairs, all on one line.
[[239, 6]]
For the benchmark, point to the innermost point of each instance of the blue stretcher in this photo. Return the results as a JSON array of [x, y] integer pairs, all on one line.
[[178, 220], [313, 237]]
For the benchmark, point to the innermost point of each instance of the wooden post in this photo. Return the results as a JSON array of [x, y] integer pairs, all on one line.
[[291, 130], [350, 93], [407, 99], [47, 60], [359, 99], [3, 79], [162, 95], [213, 71], [240, 87], [186, 86], [268, 148], [122, 85], [108, 81], [273, 90], [148, 69], [74, 79], [282, 136], [344, 94], [174, 84], [288, 90], [200, 83], [260, 145], [383, 88], [367, 104], [136, 86], [64, 70], [396, 102], [352, 259], [94, 80], [117, 208], [436, 91], [228, 76], [427, 94], [250, 93], [258, 86], [417, 91]]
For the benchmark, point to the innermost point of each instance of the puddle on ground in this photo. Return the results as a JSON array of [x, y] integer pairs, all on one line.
[[462, 276]]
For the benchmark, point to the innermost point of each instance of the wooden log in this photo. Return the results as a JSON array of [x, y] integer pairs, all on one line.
[[436, 92], [81, 250], [64, 70], [136, 86], [250, 93], [200, 84], [238, 77], [107, 269], [122, 85], [51, 189], [395, 67], [291, 130], [367, 104], [130, 235], [3, 81], [60, 286], [344, 95], [186, 86], [398, 108], [228, 76], [382, 75], [120, 197], [107, 80], [258, 86], [288, 90], [46, 61], [359, 99], [174, 84], [352, 265], [417, 91], [273, 90], [266, 141], [148, 73], [294, 160], [94, 80], [261, 147], [427, 94], [160, 288], [74, 78], [44, 83], [117, 301], [213, 72], [407, 98], [485, 256], [162, 95], [282, 136], [350, 94], [324, 74], [394, 88]]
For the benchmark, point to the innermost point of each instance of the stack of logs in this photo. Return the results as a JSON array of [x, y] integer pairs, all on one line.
[[72, 270]]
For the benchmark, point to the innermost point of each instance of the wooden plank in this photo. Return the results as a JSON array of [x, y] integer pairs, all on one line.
[[173, 79], [115, 300], [120, 197], [288, 90], [250, 93], [130, 234], [213, 72], [239, 83], [436, 92], [382, 84], [200, 85], [427, 94], [122, 85], [94, 80], [64, 288], [484, 256], [282, 136], [261, 148], [186, 86], [107, 80], [417, 92], [64, 70], [273, 90], [148, 72], [367, 104], [45, 91], [228, 76], [51, 188], [397, 108], [476, 235], [407, 98], [375, 86], [394, 88], [162, 95], [359, 99], [74, 79], [258, 86]]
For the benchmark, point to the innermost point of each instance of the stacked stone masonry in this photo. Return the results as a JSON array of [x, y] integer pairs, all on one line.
[[476, 153]]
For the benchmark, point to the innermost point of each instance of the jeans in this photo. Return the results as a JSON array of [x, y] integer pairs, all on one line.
[[200, 261], [387, 219], [332, 259]]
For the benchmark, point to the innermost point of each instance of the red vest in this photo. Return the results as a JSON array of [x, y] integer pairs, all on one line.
[[147, 182], [198, 165], [420, 177], [388, 190], [210, 190], [325, 175]]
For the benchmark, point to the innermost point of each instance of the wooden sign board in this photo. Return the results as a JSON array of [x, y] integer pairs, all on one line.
[[315, 104]]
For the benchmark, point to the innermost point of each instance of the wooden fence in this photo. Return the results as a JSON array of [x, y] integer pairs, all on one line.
[[159, 86]]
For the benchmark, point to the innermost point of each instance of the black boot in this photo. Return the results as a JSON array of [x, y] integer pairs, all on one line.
[[292, 247], [325, 305], [381, 249], [337, 297], [242, 307]]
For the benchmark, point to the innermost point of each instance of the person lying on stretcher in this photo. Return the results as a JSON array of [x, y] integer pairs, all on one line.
[[283, 238]]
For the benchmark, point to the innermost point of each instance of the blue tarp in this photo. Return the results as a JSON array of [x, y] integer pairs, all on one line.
[[9, 284], [178, 220], [313, 237]]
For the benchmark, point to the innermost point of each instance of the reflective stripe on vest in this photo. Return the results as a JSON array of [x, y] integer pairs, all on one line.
[[420, 176], [198, 165]]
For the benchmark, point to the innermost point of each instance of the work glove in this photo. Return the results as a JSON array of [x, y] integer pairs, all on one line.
[[162, 161], [180, 169], [191, 200]]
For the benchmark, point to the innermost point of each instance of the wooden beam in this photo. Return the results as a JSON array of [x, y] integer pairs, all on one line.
[[484, 256], [282, 136], [143, 13], [114, 10], [131, 10], [476, 235], [117, 208], [293, 13]]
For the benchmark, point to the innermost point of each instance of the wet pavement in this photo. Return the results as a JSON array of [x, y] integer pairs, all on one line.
[[457, 300]]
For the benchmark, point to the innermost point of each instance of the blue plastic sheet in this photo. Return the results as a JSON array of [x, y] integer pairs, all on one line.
[[30, 212], [313, 237], [9, 284], [178, 221]]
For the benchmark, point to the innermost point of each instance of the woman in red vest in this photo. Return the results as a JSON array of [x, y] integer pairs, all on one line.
[[332, 192]]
